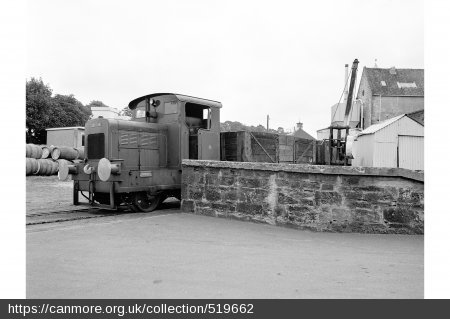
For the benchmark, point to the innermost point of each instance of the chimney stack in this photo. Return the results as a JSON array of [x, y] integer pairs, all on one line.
[[299, 126]]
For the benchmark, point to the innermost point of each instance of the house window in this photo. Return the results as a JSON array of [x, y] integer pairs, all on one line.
[[383, 83], [363, 93]]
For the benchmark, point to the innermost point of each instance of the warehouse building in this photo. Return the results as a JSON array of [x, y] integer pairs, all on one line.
[[396, 142], [387, 93]]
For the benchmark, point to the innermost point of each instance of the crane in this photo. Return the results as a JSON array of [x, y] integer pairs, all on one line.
[[338, 145]]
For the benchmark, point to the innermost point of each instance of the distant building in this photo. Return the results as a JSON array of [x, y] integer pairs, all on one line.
[[299, 132], [106, 112], [386, 93]]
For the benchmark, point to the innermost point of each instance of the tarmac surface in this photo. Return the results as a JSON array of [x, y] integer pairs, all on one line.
[[168, 254]]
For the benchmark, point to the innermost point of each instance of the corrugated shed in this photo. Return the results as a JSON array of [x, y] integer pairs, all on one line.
[[397, 142], [384, 154], [363, 151], [411, 151], [391, 79], [376, 127]]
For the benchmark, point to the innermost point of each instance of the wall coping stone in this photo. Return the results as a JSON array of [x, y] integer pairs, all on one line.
[[311, 169]]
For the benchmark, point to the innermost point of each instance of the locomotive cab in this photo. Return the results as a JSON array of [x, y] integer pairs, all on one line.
[[138, 162]]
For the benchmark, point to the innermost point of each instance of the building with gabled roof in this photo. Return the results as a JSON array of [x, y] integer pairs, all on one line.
[[386, 93], [300, 133], [396, 142]]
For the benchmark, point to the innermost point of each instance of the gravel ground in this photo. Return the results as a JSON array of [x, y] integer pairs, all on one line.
[[47, 193]]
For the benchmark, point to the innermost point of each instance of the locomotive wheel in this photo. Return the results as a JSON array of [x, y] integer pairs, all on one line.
[[143, 202]]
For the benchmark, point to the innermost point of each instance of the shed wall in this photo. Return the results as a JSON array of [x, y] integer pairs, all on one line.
[[71, 138], [363, 151], [411, 152]]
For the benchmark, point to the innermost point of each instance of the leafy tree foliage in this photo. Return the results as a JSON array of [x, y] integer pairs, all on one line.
[[69, 112], [126, 112], [97, 103], [39, 105], [44, 111]]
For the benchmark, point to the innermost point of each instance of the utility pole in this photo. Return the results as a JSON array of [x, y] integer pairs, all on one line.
[[267, 122]]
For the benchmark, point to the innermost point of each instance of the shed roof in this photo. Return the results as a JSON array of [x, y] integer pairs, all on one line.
[[376, 127], [65, 128], [393, 81]]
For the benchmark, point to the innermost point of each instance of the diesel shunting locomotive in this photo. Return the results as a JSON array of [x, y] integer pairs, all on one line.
[[138, 162]]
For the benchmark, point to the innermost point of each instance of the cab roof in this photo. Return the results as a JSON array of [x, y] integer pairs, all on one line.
[[183, 98]]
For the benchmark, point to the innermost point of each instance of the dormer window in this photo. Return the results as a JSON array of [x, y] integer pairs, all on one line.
[[402, 85]]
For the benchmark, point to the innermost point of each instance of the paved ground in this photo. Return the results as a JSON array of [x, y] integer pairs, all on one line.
[[174, 255]]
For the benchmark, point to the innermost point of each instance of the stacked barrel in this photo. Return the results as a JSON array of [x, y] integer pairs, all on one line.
[[45, 160]]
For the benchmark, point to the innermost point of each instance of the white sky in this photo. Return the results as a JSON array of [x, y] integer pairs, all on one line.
[[282, 58]]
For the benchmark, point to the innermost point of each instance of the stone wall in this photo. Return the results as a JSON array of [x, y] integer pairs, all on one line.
[[320, 198]]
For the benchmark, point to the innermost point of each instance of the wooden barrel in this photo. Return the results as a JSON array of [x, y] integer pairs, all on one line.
[[45, 151], [34, 165], [42, 167], [36, 151], [80, 151], [29, 166], [28, 150], [64, 152], [54, 168]]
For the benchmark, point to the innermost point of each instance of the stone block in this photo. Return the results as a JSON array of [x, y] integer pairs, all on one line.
[[307, 201], [187, 206], [184, 188], [229, 194], [367, 216], [285, 199], [227, 181], [282, 182], [353, 204], [400, 215], [195, 193], [223, 207], [351, 180], [211, 180], [251, 209], [251, 182], [331, 198], [327, 187], [212, 194], [341, 215], [310, 185]]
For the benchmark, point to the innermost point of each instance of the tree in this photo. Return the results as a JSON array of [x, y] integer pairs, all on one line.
[[39, 106], [69, 112], [96, 103], [126, 112], [44, 111]]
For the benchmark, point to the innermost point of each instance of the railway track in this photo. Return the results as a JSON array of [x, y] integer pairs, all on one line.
[[87, 213], [68, 215]]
